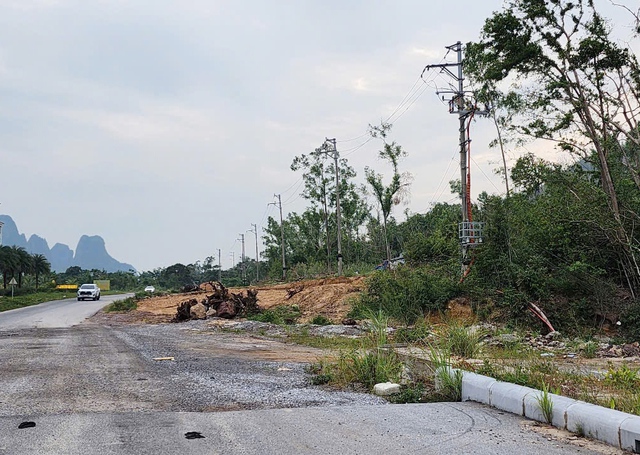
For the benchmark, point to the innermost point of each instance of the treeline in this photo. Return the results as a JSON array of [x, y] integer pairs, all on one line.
[[563, 236]]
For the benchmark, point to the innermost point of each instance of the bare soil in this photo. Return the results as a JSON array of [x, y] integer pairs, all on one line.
[[329, 297]]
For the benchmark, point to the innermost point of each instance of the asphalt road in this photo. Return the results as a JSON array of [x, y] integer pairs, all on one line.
[[54, 314], [438, 428], [98, 388]]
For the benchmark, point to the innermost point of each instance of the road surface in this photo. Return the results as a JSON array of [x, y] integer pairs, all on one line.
[[100, 388], [54, 314]]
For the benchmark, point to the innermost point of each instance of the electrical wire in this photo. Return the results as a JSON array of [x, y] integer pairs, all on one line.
[[444, 174], [486, 176]]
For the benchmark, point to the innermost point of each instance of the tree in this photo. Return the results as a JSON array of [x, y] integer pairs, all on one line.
[[23, 262], [319, 176], [40, 265], [398, 189], [8, 264], [568, 82]]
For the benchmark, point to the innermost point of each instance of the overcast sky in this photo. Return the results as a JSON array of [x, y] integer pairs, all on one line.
[[166, 127]]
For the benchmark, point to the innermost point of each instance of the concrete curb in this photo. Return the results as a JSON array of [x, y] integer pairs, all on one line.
[[616, 428]]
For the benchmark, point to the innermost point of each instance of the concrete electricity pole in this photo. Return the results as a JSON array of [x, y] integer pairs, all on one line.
[[284, 265], [336, 155], [244, 267], [470, 233], [219, 267], [255, 231]]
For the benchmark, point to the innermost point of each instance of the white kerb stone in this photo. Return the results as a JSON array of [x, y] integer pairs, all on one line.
[[386, 388]]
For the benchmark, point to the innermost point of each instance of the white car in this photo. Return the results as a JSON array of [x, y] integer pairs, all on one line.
[[150, 289], [89, 291]]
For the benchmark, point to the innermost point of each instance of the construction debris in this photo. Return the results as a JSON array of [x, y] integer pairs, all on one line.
[[160, 359], [221, 303]]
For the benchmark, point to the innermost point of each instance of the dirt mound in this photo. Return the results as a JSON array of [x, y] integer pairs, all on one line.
[[329, 297]]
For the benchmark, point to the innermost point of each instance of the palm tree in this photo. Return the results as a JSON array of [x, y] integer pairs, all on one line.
[[8, 263], [40, 265], [24, 262]]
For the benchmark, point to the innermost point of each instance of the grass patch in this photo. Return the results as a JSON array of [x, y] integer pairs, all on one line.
[[321, 320], [122, 306], [281, 315], [19, 301], [418, 334], [448, 381], [545, 403], [461, 340]]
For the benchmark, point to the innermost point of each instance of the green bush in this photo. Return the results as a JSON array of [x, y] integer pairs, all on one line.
[[281, 315], [321, 320], [407, 294], [374, 367], [462, 340], [122, 306]]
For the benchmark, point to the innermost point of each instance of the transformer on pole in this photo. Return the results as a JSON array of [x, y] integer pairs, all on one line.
[[469, 231]]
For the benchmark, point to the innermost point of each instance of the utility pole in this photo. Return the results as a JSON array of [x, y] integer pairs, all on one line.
[[470, 233], [244, 267], [219, 267], [233, 259], [334, 152], [284, 265], [255, 231]]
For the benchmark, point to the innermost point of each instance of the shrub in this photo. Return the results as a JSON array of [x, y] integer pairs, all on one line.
[[407, 294], [462, 340], [281, 315], [374, 367], [321, 320], [122, 306], [545, 403]]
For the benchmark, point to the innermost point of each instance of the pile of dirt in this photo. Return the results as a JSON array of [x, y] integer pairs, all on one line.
[[329, 297]]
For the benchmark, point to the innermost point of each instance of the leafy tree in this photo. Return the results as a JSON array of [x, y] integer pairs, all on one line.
[[23, 262], [40, 265], [398, 189], [8, 264], [319, 176], [176, 276], [568, 82]]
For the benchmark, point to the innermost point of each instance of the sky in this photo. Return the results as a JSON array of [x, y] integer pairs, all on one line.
[[167, 127]]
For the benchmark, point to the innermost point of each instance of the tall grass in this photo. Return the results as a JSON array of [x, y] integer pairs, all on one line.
[[460, 339], [448, 380]]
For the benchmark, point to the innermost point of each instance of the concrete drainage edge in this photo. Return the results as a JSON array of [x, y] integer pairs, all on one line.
[[616, 428]]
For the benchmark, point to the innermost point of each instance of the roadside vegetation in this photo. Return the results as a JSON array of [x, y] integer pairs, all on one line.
[[27, 299], [122, 306], [562, 236]]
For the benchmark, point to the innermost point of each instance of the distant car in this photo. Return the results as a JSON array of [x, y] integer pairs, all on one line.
[[89, 291], [150, 289]]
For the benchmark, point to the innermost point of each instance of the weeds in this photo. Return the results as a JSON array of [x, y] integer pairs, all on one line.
[[122, 306], [590, 349], [461, 340], [622, 377], [281, 315], [416, 393], [418, 334], [321, 320], [545, 403], [448, 380]]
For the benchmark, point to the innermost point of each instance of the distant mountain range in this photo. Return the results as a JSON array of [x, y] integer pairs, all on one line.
[[90, 253]]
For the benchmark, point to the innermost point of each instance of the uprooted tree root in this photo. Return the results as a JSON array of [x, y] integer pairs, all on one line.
[[221, 303]]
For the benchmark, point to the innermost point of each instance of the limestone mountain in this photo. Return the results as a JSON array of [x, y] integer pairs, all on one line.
[[91, 252]]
